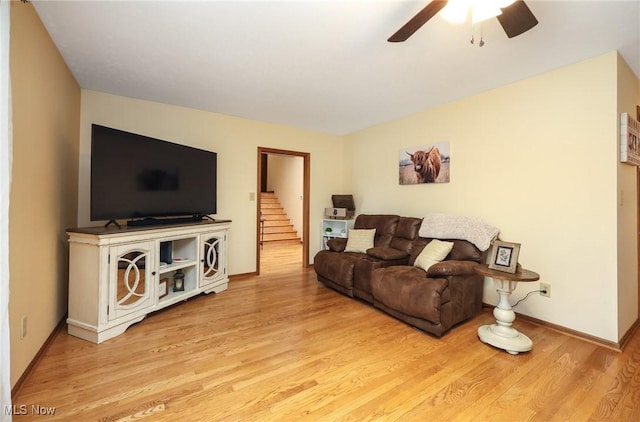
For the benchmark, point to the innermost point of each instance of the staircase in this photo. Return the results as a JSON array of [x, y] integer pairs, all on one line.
[[277, 226]]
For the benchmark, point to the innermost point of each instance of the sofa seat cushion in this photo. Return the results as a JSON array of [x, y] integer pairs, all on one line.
[[450, 268], [408, 290], [336, 266], [362, 274], [386, 253]]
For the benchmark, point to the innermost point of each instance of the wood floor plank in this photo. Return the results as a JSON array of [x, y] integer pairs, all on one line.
[[612, 405], [283, 347]]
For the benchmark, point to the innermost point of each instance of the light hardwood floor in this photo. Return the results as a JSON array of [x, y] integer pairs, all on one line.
[[282, 347], [280, 258]]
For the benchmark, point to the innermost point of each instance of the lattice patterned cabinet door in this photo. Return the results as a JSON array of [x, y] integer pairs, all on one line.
[[212, 258], [131, 272]]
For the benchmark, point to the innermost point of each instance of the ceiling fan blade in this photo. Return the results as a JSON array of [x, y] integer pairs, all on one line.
[[417, 21], [517, 19]]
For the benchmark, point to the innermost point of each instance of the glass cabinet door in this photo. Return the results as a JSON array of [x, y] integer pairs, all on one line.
[[131, 274], [211, 258]]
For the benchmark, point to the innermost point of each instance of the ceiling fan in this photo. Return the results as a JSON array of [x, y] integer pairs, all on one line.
[[515, 19]]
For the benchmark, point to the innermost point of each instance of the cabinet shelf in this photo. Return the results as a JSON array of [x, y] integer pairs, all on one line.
[[190, 283], [334, 228], [176, 266], [173, 296]]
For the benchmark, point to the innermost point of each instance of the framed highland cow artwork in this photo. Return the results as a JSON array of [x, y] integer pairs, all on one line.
[[424, 164]]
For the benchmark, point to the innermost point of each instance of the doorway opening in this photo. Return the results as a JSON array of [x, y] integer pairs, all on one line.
[[282, 215]]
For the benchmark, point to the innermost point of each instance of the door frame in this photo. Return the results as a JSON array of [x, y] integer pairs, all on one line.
[[305, 200], [638, 222]]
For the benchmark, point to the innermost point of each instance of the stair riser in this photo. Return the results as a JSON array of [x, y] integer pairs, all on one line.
[[277, 223], [279, 229], [283, 242], [280, 236]]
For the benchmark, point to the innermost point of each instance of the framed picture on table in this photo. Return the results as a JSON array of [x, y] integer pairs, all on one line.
[[504, 256]]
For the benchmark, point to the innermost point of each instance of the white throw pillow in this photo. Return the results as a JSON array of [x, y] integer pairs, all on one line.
[[360, 240], [434, 252]]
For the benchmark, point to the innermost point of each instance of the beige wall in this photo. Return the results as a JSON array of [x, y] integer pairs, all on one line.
[[538, 159], [44, 185], [236, 141], [628, 98]]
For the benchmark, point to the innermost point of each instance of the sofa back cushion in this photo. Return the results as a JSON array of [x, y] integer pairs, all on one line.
[[406, 233], [461, 251], [385, 226]]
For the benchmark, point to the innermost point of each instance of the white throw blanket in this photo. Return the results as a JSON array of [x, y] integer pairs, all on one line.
[[446, 226]]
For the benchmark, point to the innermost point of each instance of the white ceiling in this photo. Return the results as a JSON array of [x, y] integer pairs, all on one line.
[[320, 65]]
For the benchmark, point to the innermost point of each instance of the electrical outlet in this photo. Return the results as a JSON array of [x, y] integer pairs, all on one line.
[[547, 288], [23, 328]]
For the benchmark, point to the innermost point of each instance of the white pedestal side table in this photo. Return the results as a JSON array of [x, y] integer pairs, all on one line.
[[502, 334]]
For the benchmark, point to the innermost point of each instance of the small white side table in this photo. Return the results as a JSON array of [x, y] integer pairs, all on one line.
[[502, 334]]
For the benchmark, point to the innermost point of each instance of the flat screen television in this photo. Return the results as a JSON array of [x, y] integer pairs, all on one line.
[[148, 180]]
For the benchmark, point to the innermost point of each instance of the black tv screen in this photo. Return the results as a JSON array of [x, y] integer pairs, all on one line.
[[136, 177]]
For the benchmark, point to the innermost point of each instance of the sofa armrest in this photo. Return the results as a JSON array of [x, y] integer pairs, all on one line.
[[337, 244], [451, 267], [386, 253]]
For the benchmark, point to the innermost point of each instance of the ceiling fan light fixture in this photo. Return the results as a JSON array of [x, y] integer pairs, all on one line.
[[456, 11], [481, 11]]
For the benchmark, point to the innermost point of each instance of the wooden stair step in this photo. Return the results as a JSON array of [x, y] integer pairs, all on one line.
[[296, 241], [271, 211], [280, 236], [266, 205], [276, 223], [276, 218], [279, 229], [273, 217]]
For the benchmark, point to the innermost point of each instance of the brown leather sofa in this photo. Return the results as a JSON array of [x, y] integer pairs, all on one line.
[[434, 300]]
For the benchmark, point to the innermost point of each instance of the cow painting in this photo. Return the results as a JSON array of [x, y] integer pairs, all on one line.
[[426, 164]]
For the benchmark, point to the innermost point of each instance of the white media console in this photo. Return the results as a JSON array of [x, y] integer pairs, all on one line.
[[119, 275]]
